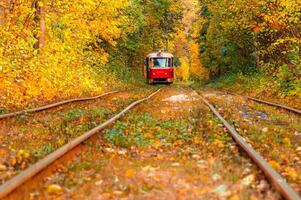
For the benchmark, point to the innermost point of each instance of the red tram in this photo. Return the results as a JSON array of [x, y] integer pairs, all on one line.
[[159, 67]]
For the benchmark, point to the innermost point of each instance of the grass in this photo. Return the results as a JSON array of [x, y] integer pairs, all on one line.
[[236, 82], [255, 83], [143, 130], [44, 150]]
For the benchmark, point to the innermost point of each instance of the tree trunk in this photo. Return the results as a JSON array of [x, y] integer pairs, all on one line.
[[40, 20]]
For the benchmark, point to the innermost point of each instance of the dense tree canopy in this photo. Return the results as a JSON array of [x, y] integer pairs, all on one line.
[[53, 47], [252, 35]]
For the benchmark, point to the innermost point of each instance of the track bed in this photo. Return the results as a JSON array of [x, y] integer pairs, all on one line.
[[168, 147]]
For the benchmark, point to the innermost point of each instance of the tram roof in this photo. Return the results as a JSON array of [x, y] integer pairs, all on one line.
[[162, 54]]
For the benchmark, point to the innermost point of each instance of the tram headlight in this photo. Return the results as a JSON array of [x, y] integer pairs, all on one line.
[[154, 74]]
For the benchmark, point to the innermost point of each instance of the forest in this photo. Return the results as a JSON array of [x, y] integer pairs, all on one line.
[[82, 115]]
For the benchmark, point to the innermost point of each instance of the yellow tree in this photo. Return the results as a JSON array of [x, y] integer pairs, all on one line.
[[78, 36]]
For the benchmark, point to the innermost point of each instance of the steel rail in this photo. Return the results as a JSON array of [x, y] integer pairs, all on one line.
[[13, 114], [276, 179], [28, 173], [294, 110]]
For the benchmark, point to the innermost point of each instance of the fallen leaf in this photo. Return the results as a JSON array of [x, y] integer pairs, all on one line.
[[216, 177], [274, 164], [98, 183], [148, 168], [263, 185], [196, 157], [292, 173], [13, 161], [3, 168], [110, 150], [221, 191], [218, 143], [117, 192], [248, 180], [265, 129], [130, 173], [157, 143], [122, 152], [287, 141], [54, 189], [172, 159], [235, 197], [159, 157], [202, 162], [197, 140], [148, 135]]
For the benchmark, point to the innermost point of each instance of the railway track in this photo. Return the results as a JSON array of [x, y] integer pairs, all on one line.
[[294, 110], [280, 184], [276, 105], [53, 105], [271, 174], [18, 180], [27, 138]]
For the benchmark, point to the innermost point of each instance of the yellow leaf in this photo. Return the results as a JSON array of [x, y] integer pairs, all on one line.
[[148, 168], [118, 192], [130, 173], [159, 157], [13, 161], [163, 111], [148, 135], [292, 173], [54, 189], [157, 143], [2, 167], [172, 159], [235, 197], [287, 141], [274, 164], [197, 140]]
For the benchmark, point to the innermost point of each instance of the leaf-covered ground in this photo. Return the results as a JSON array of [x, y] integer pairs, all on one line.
[[172, 147], [273, 132], [25, 139]]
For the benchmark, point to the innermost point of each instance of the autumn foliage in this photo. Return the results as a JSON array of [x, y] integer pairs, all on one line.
[[61, 59], [253, 36], [59, 49]]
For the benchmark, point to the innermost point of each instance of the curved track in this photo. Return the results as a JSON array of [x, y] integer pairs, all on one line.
[[13, 114], [18, 180], [294, 110], [277, 105]]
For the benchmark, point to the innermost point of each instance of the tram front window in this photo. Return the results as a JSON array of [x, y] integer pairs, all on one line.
[[161, 62]]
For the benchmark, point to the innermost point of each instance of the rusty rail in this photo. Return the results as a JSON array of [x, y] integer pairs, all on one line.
[[28, 173], [13, 114], [276, 179], [294, 110]]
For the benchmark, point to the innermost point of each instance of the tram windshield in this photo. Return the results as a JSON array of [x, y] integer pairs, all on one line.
[[160, 62]]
